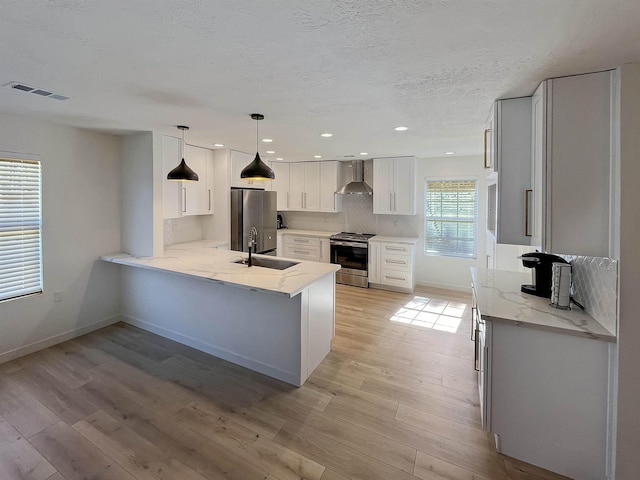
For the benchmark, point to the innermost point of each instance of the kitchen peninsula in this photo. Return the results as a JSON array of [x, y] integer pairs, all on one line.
[[276, 322]]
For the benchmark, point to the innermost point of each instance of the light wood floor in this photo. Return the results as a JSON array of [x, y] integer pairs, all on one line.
[[395, 399]]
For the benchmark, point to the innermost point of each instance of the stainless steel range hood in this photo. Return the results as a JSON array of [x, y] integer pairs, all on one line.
[[357, 186]]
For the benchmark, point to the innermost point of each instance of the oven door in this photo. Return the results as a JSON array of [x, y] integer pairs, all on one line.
[[353, 257]]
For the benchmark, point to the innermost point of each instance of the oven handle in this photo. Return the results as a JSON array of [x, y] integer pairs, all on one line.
[[348, 244]]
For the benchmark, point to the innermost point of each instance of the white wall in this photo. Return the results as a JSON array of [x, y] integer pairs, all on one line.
[[450, 272], [81, 221], [142, 228], [628, 424]]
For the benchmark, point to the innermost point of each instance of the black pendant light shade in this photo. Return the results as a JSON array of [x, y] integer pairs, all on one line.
[[182, 173], [257, 169]]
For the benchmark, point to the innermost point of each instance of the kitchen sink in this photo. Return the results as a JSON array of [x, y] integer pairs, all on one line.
[[268, 263]]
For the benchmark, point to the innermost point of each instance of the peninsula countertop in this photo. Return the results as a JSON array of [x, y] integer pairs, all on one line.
[[499, 299], [202, 260]]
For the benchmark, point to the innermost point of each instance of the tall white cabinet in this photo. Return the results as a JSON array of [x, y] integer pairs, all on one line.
[[510, 195], [572, 151], [280, 184], [394, 186], [182, 199]]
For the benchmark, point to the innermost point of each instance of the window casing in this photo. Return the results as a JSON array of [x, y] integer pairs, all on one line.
[[451, 217], [20, 228]]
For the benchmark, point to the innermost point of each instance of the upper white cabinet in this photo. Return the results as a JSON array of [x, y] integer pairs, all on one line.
[[304, 190], [330, 174], [394, 186], [511, 158], [187, 198], [280, 184], [572, 129], [239, 160]]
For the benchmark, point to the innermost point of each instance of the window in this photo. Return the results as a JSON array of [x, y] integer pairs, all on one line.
[[20, 228], [450, 217]]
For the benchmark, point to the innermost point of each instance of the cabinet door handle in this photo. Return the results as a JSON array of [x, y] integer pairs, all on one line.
[[209, 199], [287, 199], [527, 206], [395, 204], [184, 199], [473, 325], [390, 200], [476, 360], [486, 144]]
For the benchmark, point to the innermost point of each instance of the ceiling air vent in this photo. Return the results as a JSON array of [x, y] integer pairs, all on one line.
[[23, 87]]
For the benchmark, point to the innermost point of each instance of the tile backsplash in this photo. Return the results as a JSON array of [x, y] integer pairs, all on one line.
[[595, 286]]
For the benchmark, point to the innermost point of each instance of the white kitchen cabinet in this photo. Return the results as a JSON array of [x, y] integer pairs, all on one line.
[[549, 398], [374, 262], [511, 159], [394, 186], [302, 247], [330, 178], [392, 264], [305, 247], [280, 184], [304, 190], [239, 160], [572, 149], [325, 250], [182, 199]]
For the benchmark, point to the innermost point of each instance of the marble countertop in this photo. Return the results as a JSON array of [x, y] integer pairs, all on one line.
[[306, 233], [202, 260], [381, 238], [499, 299]]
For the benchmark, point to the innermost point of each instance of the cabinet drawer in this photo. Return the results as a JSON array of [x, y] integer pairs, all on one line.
[[395, 262], [303, 241], [302, 252], [396, 278], [395, 248]]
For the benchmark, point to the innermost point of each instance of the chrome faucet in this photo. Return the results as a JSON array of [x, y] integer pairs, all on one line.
[[253, 237]]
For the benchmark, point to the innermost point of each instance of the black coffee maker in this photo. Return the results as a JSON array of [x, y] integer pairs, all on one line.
[[541, 263]]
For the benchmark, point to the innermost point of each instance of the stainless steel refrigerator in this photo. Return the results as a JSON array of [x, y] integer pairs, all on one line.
[[253, 208]]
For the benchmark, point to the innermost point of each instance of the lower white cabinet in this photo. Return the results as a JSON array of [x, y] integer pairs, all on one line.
[[392, 263], [544, 396], [302, 247], [181, 199]]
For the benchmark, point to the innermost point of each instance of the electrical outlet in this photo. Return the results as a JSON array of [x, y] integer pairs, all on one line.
[[57, 297]]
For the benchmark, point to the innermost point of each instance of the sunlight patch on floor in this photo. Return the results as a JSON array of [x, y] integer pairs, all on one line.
[[434, 314]]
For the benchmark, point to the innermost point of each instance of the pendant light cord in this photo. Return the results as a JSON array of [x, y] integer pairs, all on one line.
[[257, 135], [183, 143]]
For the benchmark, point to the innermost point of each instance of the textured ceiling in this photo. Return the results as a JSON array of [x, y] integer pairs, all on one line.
[[353, 68]]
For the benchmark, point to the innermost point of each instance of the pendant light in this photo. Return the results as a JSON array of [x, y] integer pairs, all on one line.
[[182, 173], [257, 169]]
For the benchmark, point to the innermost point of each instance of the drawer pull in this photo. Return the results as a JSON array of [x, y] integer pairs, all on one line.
[[302, 252], [396, 249], [398, 262], [300, 240], [389, 277]]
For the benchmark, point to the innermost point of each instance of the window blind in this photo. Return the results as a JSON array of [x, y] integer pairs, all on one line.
[[451, 218], [20, 228]]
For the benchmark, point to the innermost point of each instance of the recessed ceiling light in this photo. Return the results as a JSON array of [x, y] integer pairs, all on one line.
[[449, 153], [317, 156], [401, 129], [279, 158], [270, 151], [218, 144], [267, 140], [326, 135], [364, 153]]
